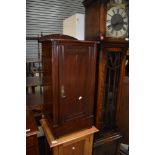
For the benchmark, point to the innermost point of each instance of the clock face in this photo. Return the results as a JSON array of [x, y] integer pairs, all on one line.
[[116, 22], [118, 1]]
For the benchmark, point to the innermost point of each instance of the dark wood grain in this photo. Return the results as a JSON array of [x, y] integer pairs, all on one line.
[[30, 123], [107, 144], [116, 51], [69, 68], [123, 124], [95, 10], [95, 20], [110, 76], [55, 36], [109, 96], [31, 134]]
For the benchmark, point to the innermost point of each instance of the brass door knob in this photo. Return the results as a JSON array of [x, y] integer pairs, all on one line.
[[80, 97]]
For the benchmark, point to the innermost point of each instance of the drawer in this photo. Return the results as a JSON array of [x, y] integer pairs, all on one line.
[[77, 148]]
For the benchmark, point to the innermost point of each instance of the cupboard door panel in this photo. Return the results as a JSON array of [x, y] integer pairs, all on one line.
[[74, 72]]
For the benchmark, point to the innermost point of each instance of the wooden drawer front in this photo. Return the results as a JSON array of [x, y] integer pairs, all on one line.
[[75, 148]]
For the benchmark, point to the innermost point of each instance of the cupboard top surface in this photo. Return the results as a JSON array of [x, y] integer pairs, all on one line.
[[67, 138], [69, 41]]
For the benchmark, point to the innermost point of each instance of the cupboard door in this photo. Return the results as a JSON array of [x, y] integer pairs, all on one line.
[[76, 76]]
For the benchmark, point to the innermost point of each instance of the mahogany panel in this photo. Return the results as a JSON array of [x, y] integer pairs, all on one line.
[[69, 68], [107, 144], [31, 134]]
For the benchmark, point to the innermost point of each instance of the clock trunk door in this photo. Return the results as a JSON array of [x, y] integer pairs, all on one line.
[[75, 82]]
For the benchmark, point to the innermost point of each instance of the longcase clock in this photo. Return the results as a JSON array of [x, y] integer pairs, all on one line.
[[107, 21]]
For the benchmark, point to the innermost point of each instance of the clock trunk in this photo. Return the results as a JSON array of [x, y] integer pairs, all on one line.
[[110, 74]]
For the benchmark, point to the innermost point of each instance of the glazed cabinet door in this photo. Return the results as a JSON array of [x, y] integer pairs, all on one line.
[[76, 81], [111, 74]]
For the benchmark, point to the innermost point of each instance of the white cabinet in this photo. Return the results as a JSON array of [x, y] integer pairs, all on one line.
[[74, 26]]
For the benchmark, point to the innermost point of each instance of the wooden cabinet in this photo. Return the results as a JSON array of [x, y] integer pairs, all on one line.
[[77, 143], [69, 68], [31, 135]]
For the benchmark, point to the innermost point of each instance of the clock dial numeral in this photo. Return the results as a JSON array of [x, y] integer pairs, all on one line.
[[122, 33], [117, 11], [116, 33], [108, 21], [112, 31], [122, 13], [109, 26], [119, 33], [109, 15], [118, 1], [124, 28], [113, 11], [125, 23], [124, 18]]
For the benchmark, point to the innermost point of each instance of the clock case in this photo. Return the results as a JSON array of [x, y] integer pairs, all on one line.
[[108, 111], [95, 21], [111, 60]]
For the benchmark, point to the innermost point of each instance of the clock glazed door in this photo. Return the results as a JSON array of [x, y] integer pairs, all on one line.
[[111, 74], [76, 64]]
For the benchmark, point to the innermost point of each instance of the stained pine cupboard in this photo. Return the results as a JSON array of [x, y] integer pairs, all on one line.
[[69, 68]]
